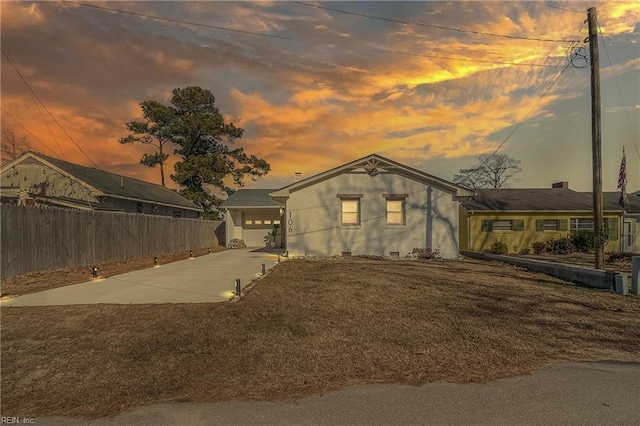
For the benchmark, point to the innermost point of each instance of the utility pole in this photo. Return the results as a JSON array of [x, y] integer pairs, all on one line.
[[596, 139]]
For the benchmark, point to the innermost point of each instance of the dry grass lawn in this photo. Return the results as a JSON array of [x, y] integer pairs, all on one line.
[[310, 326]]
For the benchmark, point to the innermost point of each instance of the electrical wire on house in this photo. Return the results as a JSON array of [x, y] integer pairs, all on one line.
[[33, 93]]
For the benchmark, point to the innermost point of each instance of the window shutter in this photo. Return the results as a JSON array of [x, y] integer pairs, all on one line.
[[539, 225], [563, 224], [518, 224], [612, 227], [487, 225]]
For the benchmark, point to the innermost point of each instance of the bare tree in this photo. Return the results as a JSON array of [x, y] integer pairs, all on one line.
[[493, 171], [13, 146]]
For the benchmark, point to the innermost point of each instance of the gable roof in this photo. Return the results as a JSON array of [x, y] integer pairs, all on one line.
[[381, 162], [537, 199], [113, 185], [251, 198]]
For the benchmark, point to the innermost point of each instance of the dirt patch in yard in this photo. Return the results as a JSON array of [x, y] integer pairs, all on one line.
[[46, 280], [309, 327]]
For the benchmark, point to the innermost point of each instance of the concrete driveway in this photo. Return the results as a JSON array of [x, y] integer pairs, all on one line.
[[209, 278]]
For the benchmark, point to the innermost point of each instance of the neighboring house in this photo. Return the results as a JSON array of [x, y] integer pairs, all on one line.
[[371, 206], [250, 215], [520, 217], [37, 179]]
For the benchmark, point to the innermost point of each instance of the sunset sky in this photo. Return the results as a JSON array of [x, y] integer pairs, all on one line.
[[315, 88]]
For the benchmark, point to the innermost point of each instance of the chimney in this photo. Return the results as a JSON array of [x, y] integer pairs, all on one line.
[[298, 177], [563, 184]]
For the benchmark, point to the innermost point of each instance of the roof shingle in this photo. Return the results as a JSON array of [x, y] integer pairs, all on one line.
[[112, 184], [537, 199], [251, 198]]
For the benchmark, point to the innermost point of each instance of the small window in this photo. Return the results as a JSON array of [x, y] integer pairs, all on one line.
[[176, 214], [248, 222], [581, 224], [276, 222], [550, 224], [138, 207], [267, 222], [395, 212], [257, 222], [502, 225], [350, 212]]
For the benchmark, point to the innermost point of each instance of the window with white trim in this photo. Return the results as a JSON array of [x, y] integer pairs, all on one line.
[[581, 224], [350, 211], [502, 225], [395, 211]]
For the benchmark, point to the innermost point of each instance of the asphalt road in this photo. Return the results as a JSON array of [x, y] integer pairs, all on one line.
[[602, 393]]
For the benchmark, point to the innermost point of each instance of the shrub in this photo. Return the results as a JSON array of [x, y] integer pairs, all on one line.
[[561, 245], [615, 257], [539, 247], [498, 247], [583, 241], [425, 253], [525, 251]]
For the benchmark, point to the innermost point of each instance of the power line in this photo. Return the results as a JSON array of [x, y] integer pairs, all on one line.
[[532, 108], [15, 67], [522, 120], [393, 52], [633, 136], [422, 55], [562, 8], [419, 24], [27, 130], [178, 21], [70, 138]]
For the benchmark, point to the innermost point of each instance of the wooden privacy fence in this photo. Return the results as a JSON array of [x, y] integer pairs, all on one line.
[[40, 239]]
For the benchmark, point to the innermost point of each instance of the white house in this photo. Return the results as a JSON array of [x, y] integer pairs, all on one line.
[[371, 206]]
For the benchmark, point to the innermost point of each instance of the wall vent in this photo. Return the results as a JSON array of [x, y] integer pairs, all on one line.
[[394, 254], [346, 253]]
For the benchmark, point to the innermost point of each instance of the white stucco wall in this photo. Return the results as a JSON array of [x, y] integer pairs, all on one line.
[[313, 218]]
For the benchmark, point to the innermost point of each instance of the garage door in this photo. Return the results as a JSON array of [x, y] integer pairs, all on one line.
[[256, 224], [254, 237]]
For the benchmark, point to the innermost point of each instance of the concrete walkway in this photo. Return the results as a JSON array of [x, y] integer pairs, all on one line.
[[209, 278], [564, 394]]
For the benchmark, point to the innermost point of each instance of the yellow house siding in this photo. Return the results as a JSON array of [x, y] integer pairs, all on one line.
[[480, 240]]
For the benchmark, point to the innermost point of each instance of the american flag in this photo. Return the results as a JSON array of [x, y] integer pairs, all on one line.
[[622, 181], [622, 176]]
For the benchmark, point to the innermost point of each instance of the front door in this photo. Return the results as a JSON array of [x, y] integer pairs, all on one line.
[[627, 236]]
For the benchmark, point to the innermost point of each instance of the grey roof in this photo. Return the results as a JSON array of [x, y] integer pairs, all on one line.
[[375, 161], [121, 186], [251, 198], [538, 199]]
